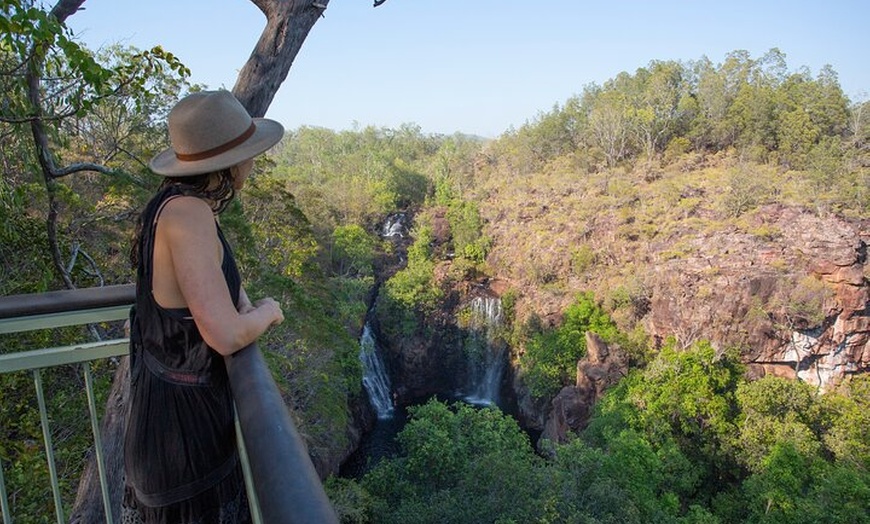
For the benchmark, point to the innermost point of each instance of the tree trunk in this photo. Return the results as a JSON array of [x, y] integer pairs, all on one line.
[[288, 23], [88, 507], [61, 11]]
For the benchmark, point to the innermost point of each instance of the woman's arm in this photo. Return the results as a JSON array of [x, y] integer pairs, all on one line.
[[244, 304], [188, 232]]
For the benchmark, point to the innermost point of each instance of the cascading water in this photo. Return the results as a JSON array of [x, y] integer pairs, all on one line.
[[486, 358], [375, 378], [394, 226]]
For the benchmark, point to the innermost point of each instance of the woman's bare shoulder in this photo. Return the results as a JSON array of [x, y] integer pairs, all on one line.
[[187, 225], [186, 214], [186, 206]]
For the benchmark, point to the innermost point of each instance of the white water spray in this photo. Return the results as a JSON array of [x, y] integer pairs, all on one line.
[[486, 359], [375, 378]]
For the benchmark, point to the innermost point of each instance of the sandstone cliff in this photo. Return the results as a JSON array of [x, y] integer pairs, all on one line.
[[785, 285]]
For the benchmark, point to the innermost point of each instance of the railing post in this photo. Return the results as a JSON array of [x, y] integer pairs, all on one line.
[[49, 448], [4, 501], [287, 485], [98, 442]]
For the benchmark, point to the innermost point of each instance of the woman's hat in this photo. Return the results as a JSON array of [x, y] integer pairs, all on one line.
[[210, 131]]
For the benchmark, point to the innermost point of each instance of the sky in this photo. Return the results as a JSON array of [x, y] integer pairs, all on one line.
[[479, 66]]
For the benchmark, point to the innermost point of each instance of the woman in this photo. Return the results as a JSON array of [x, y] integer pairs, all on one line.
[[179, 452]]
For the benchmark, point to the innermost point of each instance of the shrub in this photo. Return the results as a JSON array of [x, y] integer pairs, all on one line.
[[550, 359]]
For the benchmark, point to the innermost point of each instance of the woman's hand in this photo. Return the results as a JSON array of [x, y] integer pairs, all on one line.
[[272, 309]]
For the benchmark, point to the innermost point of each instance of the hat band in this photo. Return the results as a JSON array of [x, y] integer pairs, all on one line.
[[215, 151]]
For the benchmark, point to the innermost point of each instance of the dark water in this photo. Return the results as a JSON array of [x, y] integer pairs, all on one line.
[[375, 445]]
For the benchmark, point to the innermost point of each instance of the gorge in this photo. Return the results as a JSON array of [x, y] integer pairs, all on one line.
[[796, 303]]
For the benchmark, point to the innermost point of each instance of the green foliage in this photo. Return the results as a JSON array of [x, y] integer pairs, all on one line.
[[803, 304], [776, 411], [847, 414], [25, 466], [746, 190], [353, 250], [796, 488], [466, 226], [583, 257], [657, 449], [351, 502], [350, 298], [550, 359], [626, 481], [25, 262], [77, 78], [452, 455], [280, 238], [411, 292], [684, 404], [356, 177], [688, 395]]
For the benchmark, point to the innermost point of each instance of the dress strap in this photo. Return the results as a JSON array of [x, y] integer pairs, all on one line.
[[146, 255]]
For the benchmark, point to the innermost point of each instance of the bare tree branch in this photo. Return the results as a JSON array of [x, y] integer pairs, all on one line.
[[62, 10], [66, 8], [79, 167]]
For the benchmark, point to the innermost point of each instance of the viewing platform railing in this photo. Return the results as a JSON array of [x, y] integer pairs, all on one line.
[[282, 484]]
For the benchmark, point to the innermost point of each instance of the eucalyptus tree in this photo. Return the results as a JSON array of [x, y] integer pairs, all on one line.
[[609, 121], [50, 81], [657, 108]]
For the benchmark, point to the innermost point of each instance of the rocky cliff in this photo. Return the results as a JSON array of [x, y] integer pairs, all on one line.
[[784, 285]]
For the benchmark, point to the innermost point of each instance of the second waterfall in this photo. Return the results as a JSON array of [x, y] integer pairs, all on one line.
[[487, 356]]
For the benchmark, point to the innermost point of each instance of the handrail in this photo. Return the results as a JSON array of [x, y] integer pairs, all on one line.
[[66, 301], [287, 487]]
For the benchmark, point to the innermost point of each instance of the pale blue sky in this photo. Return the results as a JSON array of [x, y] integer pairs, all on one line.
[[480, 66]]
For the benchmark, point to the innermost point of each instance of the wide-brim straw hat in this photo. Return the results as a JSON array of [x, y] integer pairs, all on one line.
[[210, 131]]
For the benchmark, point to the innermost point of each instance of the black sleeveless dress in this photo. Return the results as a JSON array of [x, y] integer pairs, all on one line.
[[180, 455]]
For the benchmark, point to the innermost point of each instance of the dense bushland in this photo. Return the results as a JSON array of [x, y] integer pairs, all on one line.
[[685, 440]]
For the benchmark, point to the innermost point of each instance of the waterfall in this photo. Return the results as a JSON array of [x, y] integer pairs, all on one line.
[[394, 226], [375, 378], [487, 359]]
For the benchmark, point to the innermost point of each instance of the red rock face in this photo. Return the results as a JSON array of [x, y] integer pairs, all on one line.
[[602, 367], [796, 307], [799, 308]]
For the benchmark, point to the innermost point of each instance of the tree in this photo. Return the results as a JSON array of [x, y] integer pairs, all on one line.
[[776, 411], [657, 110], [49, 80], [609, 123], [53, 86], [550, 358], [451, 455], [353, 250]]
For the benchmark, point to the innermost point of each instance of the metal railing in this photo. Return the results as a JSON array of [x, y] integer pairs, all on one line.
[[282, 484]]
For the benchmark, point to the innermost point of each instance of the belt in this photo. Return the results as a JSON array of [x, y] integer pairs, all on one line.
[[175, 376]]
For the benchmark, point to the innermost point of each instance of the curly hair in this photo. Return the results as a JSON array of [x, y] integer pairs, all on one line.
[[216, 188]]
